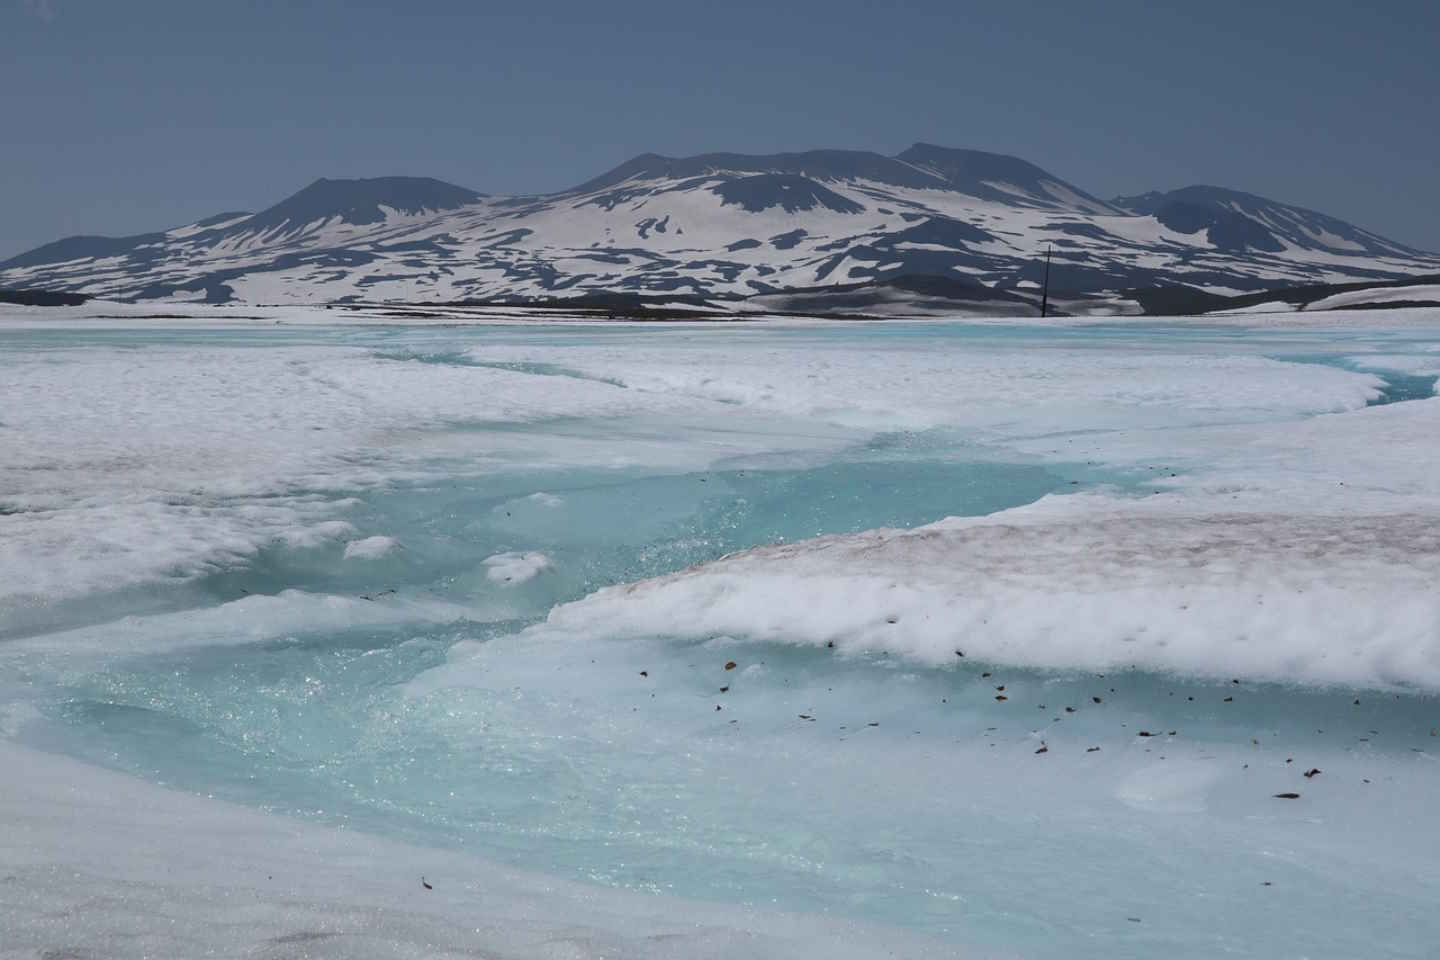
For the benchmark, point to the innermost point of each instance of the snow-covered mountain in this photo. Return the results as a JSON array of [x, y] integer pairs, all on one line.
[[1240, 222], [797, 231]]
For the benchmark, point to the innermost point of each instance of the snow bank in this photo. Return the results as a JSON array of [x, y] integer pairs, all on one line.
[[1301, 552], [1421, 365], [1416, 293], [1347, 600]]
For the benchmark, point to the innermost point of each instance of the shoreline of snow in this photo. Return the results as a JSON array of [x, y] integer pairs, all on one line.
[[184, 315], [1326, 600], [1299, 553]]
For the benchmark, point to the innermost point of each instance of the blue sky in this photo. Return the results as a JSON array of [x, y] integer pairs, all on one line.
[[122, 117]]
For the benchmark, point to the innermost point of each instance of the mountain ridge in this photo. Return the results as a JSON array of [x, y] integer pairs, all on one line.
[[1224, 202], [727, 228]]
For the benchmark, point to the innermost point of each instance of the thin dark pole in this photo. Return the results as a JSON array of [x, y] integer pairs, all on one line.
[[1045, 291]]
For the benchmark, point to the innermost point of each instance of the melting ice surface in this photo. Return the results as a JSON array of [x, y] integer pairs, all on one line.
[[480, 590]]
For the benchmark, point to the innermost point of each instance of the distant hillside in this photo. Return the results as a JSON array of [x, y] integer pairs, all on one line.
[[930, 230]]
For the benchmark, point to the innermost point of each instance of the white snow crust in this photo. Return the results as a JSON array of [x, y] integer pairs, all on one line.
[[515, 567], [1415, 292], [370, 548]]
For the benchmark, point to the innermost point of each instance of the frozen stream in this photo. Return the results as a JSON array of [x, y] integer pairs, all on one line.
[[462, 588]]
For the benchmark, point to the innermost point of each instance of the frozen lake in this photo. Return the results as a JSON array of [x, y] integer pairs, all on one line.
[[928, 638]]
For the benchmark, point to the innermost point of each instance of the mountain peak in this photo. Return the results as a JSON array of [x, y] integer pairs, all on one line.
[[359, 201], [1000, 177], [921, 151], [995, 177], [1236, 221], [820, 165]]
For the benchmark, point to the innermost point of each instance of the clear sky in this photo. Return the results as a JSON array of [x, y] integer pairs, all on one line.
[[122, 116]]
